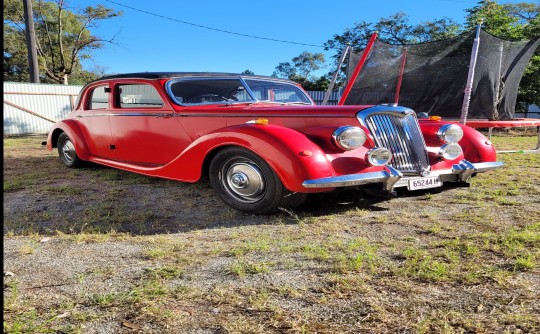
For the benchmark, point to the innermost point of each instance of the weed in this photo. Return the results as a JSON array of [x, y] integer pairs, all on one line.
[[242, 268], [166, 272], [421, 265]]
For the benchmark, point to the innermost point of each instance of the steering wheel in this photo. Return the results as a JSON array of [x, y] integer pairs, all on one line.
[[208, 98]]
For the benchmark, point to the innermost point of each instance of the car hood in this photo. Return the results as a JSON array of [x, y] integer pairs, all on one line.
[[276, 110]]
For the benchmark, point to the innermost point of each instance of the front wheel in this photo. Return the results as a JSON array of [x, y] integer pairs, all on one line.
[[66, 152], [245, 182]]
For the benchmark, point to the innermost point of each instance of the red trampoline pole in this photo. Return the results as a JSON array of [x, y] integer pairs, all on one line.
[[352, 79], [400, 79]]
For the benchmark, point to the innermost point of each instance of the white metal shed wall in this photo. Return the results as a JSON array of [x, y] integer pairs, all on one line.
[[32, 108]]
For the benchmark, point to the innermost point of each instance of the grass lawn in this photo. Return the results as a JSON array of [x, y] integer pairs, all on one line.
[[96, 250]]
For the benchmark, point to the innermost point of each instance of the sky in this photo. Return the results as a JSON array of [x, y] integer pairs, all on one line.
[[171, 37]]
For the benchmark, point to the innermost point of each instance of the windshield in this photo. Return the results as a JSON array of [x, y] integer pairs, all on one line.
[[196, 91], [274, 91], [208, 91]]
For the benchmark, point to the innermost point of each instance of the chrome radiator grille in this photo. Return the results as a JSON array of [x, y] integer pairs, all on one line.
[[399, 132]]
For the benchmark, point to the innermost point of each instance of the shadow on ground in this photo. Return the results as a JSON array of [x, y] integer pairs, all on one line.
[[43, 196]]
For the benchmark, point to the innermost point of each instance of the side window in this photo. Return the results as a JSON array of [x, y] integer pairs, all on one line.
[[99, 98], [138, 96]]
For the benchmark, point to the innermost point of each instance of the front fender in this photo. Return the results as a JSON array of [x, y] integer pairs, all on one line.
[[476, 147], [289, 153], [72, 129]]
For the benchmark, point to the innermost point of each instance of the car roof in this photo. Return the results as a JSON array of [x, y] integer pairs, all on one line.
[[162, 75]]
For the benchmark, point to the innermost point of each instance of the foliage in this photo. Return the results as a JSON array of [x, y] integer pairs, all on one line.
[[63, 39], [301, 70], [393, 30]]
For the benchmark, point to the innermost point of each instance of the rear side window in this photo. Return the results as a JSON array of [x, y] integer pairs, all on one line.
[[99, 98], [138, 96]]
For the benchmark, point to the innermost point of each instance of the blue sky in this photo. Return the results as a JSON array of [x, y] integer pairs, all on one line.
[[151, 43]]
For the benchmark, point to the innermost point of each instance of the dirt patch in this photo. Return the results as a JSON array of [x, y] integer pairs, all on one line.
[[97, 250]]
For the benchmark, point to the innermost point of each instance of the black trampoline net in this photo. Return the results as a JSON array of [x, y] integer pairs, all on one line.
[[434, 76]]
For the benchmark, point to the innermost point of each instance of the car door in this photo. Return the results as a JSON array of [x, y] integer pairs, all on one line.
[[144, 128], [93, 119]]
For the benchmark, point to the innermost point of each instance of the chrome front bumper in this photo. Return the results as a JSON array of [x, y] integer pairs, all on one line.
[[392, 178]]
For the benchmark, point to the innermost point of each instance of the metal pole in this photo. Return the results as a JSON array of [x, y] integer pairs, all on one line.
[[470, 76], [400, 78], [334, 77], [352, 79], [495, 114], [31, 42]]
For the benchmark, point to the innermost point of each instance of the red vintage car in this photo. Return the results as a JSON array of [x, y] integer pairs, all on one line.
[[262, 141]]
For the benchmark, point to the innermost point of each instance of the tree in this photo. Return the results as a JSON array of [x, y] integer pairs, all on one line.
[[513, 22], [301, 70], [248, 72], [284, 70], [63, 40], [393, 30]]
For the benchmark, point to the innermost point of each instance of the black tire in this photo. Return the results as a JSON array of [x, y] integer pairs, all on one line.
[[66, 152], [245, 182]]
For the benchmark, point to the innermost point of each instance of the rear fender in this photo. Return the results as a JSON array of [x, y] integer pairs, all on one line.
[[289, 153], [72, 130]]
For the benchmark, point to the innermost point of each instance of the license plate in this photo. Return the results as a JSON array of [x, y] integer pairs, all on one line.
[[424, 183]]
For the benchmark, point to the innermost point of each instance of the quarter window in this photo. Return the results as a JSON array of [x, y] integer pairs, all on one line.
[[99, 98], [138, 96]]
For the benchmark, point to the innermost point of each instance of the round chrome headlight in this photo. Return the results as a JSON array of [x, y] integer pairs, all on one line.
[[450, 151], [349, 137], [450, 133], [379, 156]]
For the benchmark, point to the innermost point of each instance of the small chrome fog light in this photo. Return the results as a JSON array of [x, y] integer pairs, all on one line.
[[379, 156], [349, 137], [450, 133], [450, 151]]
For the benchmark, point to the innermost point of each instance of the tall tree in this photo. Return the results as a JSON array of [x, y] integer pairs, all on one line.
[[63, 39]]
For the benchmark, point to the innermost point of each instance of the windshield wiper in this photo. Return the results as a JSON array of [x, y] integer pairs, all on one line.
[[272, 102], [299, 102]]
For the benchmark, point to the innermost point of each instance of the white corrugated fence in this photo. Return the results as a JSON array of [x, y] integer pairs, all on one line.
[[32, 108]]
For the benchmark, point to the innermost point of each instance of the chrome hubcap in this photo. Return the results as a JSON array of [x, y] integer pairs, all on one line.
[[244, 181], [68, 151]]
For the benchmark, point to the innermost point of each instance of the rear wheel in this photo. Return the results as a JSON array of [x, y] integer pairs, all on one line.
[[245, 182], [66, 152]]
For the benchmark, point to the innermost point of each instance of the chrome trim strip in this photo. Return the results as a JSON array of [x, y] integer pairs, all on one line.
[[218, 115], [128, 114], [347, 180], [482, 167], [391, 176]]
